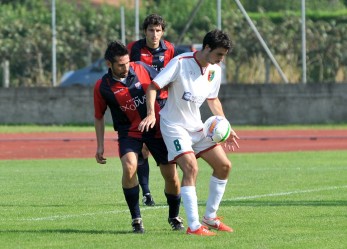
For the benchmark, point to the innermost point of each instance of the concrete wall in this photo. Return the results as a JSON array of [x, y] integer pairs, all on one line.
[[263, 104]]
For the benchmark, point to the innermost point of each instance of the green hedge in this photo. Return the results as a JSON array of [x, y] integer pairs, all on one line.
[[339, 16], [83, 32]]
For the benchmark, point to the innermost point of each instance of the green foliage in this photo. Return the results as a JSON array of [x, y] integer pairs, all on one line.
[[83, 32], [326, 54], [339, 16], [82, 35], [268, 6], [324, 43]]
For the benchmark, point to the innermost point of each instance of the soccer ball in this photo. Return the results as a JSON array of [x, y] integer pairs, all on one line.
[[217, 128]]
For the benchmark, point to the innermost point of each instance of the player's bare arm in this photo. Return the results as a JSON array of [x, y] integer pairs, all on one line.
[[100, 131], [149, 121], [216, 107]]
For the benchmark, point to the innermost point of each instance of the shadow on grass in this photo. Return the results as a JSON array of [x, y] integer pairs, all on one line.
[[66, 231], [60, 205], [254, 203], [32, 205]]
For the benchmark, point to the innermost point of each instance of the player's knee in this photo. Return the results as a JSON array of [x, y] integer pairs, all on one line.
[[173, 182], [145, 151], [191, 171], [225, 169], [168, 171]]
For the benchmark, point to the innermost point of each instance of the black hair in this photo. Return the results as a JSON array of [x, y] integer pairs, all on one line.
[[115, 48], [154, 19], [217, 39]]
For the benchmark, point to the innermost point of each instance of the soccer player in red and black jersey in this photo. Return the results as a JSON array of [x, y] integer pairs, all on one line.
[[122, 90], [155, 52], [152, 49]]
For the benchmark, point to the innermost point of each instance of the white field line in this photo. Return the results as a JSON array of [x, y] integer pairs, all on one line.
[[61, 217], [286, 193]]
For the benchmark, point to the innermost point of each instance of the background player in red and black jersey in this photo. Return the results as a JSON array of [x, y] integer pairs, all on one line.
[[155, 52], [152, 49], [122, 90]]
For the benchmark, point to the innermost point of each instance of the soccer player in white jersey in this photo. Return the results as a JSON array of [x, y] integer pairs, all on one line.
[[191, 78]]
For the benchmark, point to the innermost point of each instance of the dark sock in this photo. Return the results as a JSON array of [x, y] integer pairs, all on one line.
[[174, 202], [132, 198], [143, 175]]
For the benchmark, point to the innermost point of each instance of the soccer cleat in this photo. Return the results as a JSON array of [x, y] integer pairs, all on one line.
[[202, 231], [215, 223], [147, 200], [138, 226], [176, 223]]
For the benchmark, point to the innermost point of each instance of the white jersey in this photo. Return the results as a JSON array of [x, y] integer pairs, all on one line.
[[189, 86]]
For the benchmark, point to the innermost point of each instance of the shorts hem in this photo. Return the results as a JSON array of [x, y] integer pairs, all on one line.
[[178, 156], [203, 151]]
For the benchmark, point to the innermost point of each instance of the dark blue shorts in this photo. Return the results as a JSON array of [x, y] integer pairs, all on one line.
[[156, 147]]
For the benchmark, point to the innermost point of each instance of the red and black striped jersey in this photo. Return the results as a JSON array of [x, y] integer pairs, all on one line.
[[126, 100], [157, 58]]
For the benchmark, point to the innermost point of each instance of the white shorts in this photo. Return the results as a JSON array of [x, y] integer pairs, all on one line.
[[180, 141]]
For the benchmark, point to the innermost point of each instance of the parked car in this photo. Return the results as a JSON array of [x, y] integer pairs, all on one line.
[[187, 48], [88, 76]]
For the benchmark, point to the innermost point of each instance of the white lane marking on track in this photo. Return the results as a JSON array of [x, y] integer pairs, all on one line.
[[61, 217]]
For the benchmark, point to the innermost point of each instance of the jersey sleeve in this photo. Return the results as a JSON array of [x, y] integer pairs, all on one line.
[[134, 51], [168, 74], [100, 105], [150, 70]]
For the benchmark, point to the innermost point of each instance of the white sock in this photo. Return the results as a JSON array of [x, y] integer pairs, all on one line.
[[217, 189], [190, 203]]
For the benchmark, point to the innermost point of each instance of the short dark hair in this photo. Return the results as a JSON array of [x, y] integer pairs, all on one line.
[[115, 48], [217, 39], [154, 19]]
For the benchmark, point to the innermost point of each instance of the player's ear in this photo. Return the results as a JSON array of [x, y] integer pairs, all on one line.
[[207, 47], [108, 64]]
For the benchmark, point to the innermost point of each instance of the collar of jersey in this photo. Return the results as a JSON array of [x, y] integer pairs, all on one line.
[[130, 74], [161, 43]]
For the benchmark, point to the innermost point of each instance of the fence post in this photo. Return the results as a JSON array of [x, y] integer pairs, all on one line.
[[6, 73]]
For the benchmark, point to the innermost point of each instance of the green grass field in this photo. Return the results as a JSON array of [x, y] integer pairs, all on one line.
[[273, 200]]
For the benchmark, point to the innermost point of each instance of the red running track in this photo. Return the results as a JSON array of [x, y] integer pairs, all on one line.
[[83, 144]]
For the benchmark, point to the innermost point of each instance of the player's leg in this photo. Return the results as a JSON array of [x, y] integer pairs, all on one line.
[[173, 195], [189, 167], [219, 162], [221, 166], [178, 141], [128, 149], [168, 170], [143, 176]]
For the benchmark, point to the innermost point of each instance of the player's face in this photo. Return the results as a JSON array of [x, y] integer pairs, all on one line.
[[216, 55], [153, 35], [120, 66]]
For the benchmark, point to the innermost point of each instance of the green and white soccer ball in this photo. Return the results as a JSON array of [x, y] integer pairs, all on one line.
[[217, 128]]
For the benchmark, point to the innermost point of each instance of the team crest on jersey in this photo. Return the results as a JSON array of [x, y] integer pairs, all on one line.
[[138, 85], [211, 74], [161, 58]]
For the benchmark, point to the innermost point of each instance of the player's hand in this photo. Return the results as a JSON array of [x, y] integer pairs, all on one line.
[[147, 123], [99, 156], [232, 141]]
